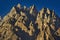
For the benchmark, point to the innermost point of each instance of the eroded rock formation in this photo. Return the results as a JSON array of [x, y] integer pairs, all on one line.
[[23, 23]]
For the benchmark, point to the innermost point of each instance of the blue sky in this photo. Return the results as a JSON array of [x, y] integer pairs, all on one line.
[[6, 5]]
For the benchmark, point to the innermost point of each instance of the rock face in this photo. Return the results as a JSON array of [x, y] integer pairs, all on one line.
[[23, 23]]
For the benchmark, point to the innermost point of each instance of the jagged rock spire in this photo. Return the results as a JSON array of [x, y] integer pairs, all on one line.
[[12, 12], [24, 7], [18, 5], [48, 11], [31, 9]]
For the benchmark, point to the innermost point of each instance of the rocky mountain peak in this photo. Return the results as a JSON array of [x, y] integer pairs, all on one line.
[[33, 10], [18, 5], [23, 23]]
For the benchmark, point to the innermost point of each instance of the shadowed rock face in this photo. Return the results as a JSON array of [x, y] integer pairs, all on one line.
[[23, 23]]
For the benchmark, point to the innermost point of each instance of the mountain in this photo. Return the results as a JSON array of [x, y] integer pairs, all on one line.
[[23, 23]]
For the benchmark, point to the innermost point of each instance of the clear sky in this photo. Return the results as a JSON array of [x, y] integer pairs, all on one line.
[[6, 5]]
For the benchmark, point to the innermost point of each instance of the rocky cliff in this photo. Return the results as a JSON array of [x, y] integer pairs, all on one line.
[[23, 23]]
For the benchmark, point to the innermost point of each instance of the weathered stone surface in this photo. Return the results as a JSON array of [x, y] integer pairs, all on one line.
[[23, 23]]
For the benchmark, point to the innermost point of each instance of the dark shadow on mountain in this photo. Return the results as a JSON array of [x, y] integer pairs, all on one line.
[[23, 35], [12, 21], [56, 37]]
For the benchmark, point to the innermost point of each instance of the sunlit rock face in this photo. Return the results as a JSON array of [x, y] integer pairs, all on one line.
[[23, 23]]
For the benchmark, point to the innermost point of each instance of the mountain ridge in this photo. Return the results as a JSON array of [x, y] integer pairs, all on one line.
[[23, 23]]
